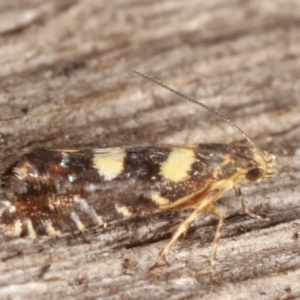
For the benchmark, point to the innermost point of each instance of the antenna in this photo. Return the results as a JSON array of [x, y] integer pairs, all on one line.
[[215, 112]]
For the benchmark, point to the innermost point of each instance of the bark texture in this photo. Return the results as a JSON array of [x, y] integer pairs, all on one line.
[[66, 81]]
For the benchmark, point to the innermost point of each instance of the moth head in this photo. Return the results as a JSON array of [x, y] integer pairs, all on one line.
[[256, 164], [265, 161]]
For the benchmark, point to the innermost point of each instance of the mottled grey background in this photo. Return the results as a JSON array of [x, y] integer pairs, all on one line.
[[66, 81]]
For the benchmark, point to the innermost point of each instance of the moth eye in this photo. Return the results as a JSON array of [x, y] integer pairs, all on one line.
[[254, 174]]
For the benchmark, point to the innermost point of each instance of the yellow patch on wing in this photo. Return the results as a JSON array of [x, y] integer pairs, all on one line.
[[159, 200], [178, 164], [50, 230], [123, 210], [97, 220], [31, 231], [109, 162], [17, 228]]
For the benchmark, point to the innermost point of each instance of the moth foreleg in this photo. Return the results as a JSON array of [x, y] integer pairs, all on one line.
[[239, 195]]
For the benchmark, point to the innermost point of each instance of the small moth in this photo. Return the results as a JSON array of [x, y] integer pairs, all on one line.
[[51, 191]]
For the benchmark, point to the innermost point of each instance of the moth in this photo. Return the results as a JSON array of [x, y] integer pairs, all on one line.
[[51, 191]]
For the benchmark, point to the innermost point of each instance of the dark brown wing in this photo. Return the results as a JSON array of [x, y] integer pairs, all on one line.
[[67, 188]]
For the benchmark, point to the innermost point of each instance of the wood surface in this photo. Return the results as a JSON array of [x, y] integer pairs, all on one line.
[[66, 81]]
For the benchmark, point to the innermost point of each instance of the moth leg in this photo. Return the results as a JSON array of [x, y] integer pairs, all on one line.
[[182, 228], [239, 195], [221, 216]]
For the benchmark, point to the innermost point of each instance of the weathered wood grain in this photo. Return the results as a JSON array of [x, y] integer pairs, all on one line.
[[66, 80]]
